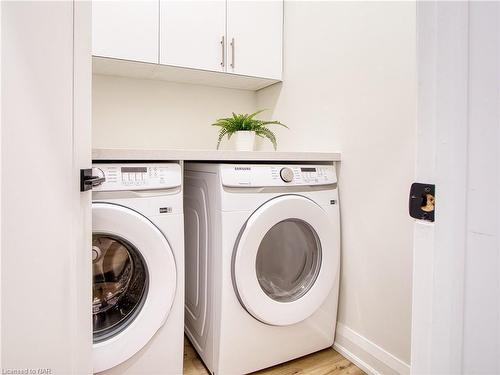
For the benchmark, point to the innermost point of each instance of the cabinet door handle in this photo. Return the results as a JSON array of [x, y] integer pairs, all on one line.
[[232, 53], [223, 60]]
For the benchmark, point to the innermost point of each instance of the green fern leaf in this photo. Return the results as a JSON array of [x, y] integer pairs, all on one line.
[[266, 133], [222, 133]]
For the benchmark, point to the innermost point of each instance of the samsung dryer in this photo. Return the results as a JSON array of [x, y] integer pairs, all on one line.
[[138, 269], [262, 262]]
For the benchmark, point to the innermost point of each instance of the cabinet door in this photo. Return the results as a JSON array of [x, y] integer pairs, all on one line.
[[255, 29], [126, 29], [192, 32]]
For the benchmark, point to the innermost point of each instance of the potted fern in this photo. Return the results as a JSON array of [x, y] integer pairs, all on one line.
[[245, 127]]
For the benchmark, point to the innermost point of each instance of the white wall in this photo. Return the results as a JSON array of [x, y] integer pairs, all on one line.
[[145, 113], [349, 85]]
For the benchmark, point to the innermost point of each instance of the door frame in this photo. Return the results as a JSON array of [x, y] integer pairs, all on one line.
[[439, 253], [448, 39]]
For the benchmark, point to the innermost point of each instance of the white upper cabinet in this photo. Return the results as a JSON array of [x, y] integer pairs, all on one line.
[[192, 34], [230, 43], [255, 37], [126, 29]]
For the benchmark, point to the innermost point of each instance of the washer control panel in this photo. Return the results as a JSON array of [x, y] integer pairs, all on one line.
[[261, 175], [137, 176]]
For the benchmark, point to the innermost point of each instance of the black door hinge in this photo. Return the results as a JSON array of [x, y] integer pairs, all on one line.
[[422, 201], [88, 181]]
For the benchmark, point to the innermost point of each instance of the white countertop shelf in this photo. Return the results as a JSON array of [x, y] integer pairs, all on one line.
[[110, 154]]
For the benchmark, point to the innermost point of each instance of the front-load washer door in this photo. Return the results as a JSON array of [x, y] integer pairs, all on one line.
[[286, 260], [134, 283]]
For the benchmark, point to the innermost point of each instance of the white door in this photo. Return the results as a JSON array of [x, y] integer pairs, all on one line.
[[126, 29], [45, 224], [134, 283], [456, 279], [192, 34], [286, 260], [255, 38]]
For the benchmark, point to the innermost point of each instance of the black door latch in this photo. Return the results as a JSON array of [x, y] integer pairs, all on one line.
[[422, 201], [88, 181]]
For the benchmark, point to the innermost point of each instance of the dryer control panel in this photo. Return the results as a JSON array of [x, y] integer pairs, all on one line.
[[137, 176], [262, 175]]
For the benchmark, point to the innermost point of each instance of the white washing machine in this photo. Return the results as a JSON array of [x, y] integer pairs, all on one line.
[[138, 269], [262, 262]]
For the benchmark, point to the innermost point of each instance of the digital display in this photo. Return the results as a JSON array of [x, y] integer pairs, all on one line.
[[308, 169], [134, 169]]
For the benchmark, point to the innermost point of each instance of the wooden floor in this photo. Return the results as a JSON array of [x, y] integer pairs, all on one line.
[[325, 362]]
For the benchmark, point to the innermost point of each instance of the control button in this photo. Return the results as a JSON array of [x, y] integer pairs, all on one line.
[[286, 174]]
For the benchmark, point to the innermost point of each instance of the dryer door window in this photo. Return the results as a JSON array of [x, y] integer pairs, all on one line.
[[286, 260], [120, 281]]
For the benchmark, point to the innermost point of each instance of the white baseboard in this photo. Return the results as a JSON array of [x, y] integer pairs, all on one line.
[[357, 361], [368, 356]]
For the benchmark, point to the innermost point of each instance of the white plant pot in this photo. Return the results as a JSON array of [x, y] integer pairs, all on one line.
[[244, 140]]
